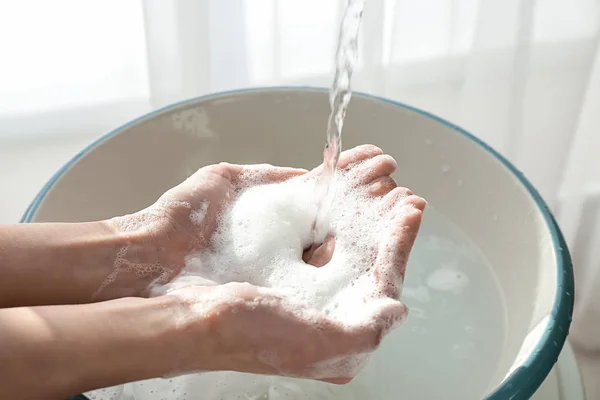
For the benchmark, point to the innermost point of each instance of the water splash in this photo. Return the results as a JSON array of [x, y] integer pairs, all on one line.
[[340, 94]]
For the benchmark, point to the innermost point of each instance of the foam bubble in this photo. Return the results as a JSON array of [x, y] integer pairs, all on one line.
[[197, 216], [260, 240]]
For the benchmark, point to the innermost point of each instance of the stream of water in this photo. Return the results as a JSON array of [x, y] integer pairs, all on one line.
[[340, 94]]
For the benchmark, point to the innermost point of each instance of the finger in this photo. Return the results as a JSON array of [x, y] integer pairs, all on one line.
[[387, 314], [394, 251], [351, 156], [417, 202], [374, 168], [319, 256], [358, 154], [394, 196], [382, 186]]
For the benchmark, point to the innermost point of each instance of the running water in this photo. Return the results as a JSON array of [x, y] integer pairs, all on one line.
[[339, 98]]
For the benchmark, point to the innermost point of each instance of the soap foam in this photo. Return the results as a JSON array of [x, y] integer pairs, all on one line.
[[226, 386], [260, 240]]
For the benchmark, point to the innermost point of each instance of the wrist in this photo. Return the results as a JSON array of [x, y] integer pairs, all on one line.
[[130, 339], [140, 258], [189, 337]]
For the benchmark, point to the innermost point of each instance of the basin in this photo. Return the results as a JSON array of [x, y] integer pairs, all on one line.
[[489, 284]]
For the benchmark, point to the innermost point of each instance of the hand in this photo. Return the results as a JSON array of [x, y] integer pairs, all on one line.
[[180, 222], [259, 330]]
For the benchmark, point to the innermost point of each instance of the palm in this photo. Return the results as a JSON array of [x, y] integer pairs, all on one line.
[[305, 346], [192, 207]]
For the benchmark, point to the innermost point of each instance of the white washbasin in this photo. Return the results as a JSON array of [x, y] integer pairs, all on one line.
[[489, 284]]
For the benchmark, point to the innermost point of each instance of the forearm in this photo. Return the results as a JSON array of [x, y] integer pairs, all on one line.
[[67, 263], [53, 352]]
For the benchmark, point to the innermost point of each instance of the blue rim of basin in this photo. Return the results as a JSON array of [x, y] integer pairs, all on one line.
[[524, 381]]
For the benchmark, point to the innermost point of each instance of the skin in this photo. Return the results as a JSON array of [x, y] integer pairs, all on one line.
[[69, 329]]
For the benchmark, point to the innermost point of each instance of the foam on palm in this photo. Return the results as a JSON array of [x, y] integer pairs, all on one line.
[[260, 239]]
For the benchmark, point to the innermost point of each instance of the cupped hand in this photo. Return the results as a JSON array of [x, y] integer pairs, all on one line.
[[260, 330], [180, 222], [190, 210]]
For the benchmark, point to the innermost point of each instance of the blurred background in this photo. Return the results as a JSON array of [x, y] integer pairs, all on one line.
[[523, 75]]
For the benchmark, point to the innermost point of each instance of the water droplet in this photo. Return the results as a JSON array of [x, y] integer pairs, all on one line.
[[445, 168], [495, 217], [459, 183], [428, 142]]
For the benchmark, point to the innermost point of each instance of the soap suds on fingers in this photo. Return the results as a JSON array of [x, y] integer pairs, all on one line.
[[261, 237]]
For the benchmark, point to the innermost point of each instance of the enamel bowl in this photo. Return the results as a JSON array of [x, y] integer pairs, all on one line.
[[489, 284]]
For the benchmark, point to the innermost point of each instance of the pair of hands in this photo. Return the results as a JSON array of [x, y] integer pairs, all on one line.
[[254, 329]]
